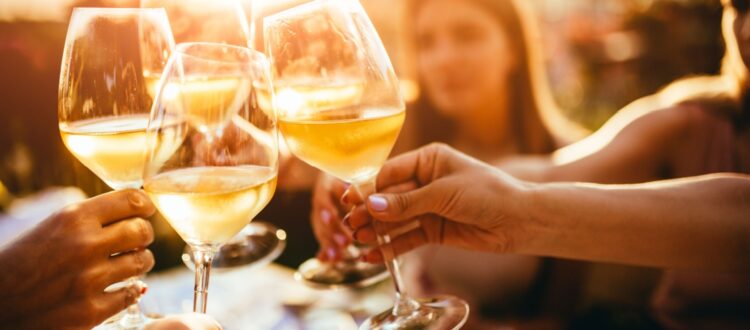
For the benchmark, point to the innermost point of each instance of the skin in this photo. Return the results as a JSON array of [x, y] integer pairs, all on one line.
[[501, 214], [464, 60], [76, 245], [463, 76]]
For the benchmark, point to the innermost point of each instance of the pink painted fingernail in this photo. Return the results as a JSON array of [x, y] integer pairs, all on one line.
[[325, 215], [341, 240], [378, 203], [331, 252]]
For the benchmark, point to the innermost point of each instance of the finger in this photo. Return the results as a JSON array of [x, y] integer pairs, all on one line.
[[330, 254], [352, 198], [400, 169], [128, 265], [337, 188], [357, 218], [83, 313], [115, 269], [111, 303], [369, 234], [127, 235], [328, 230], [398, 246], [118, 205], [407, 205]]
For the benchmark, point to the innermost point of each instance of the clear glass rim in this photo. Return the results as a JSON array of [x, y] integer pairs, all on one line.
[[117, 11], [254, 56], [268, 20]]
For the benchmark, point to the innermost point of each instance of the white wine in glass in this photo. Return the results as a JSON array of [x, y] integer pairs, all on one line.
[[223, 174], [341, 110], [104, 97], [225, 22]]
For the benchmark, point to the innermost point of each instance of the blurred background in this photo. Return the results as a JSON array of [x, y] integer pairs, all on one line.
[[599, 55]]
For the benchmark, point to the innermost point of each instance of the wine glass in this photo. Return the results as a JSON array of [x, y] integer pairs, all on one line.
[[105, 97], [223, 21], [340, 109], [212, 157], [318, 82]]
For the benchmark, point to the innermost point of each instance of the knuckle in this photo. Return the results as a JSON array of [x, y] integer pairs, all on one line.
[[142, 231], [69, 216], [85, 245], [401, 201], [139, 262]]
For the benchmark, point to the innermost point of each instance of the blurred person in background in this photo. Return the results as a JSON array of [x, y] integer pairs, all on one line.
[[693, 127], [485, 93]]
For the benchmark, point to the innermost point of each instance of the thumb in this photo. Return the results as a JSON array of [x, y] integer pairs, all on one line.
[[403, 206]]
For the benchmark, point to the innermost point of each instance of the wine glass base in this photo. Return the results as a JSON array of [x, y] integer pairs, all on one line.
[[123, 321], [347, 274], [258, 244], [438, 313]]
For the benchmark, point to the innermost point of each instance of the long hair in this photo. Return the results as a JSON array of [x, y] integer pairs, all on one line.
[[727, 91], [536, 123]]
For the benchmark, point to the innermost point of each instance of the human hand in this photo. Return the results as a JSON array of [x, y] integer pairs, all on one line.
[[457, 200], [325, 218], [55, 274]]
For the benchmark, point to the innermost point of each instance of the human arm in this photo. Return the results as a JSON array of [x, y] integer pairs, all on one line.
[[693, 223]]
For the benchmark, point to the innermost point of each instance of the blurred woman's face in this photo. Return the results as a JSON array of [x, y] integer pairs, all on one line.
[[464, 56]]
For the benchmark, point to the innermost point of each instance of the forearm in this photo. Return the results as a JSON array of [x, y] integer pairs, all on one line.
[[695, 223]]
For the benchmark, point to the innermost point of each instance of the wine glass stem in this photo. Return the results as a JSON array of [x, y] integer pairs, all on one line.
[[404, 305], [133, 317], [203, 258]]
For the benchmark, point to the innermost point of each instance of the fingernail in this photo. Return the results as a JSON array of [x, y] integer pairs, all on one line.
[[346, 221], [378, 203], [340, 240], [331, 252], [144, 289], [136, 199], [345, 197], [325, 215]]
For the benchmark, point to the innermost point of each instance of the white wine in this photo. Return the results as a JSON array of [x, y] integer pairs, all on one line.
[[301, 101], [209, 104], [209, 205], [351, 147], [114, 147]]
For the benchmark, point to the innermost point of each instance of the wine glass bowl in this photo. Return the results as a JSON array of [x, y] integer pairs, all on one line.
[[105, 95], [225, 22], [341, 110], [212, 148]]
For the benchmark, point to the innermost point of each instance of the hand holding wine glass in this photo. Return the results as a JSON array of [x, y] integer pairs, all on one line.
[[105, 96], [341, 110], [74, 245]]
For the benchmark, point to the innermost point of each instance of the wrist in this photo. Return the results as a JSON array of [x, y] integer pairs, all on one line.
[[533, 225]]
